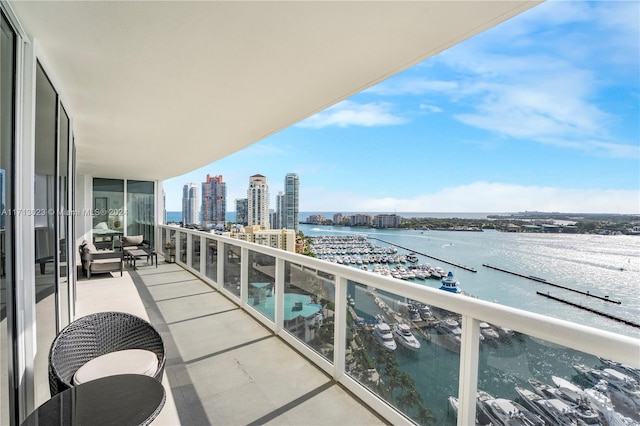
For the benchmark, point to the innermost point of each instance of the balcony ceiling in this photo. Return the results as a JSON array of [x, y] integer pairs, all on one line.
[[158, 89]]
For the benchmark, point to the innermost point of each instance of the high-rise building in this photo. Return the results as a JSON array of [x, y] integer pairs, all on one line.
[[387, 221], [291, 195], [214, 201], [241, 211], [258, 201], [273, 219], [280, 208], [189, 204]]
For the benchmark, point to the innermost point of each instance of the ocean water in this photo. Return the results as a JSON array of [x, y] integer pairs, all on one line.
[[590, 263], [602, 265]]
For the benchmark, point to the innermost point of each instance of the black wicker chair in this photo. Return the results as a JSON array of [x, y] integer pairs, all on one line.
[[97, 334]]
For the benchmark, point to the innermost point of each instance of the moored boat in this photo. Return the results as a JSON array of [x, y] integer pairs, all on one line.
[[404, 336], [450, 284], [382, 334], [506, 412], [622, 387], [573, 396]]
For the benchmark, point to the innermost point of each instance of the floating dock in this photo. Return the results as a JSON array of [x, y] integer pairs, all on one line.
[[586, 308], [543, 281], [468, 268]]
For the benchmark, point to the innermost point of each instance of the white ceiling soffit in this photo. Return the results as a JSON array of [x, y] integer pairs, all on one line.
[[158, 89]]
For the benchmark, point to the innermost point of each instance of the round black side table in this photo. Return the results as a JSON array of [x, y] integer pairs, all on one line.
[[126, 399]]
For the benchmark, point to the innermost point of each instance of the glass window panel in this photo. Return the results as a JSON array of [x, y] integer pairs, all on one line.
[[309, 306], [417, 381], [183, 246], [108, 211], [45, 227], [7, 52], [232, 258], [212, 260], [63, 219], [521, 366], [262, 272], [195, 252], [170, 246], [140, 209]]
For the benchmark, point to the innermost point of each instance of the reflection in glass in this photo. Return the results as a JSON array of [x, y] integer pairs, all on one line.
[[212, 260], [63, 220], [232, 258], [183, 247], [169, 245], [262, 272], [520, 367], [195, 252], [45, 226], [416, 379], [108, 211], [7, 43], [309, 306], [140, 209]]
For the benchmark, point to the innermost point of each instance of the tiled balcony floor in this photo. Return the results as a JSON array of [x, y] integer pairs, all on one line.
[[223, 367]]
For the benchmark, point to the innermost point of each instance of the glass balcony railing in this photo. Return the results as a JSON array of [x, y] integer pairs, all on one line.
[[410, 352]]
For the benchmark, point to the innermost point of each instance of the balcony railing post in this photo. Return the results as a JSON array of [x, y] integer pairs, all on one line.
[[204, 252], [279, 294], [244, 276], [468, 382], [222, 247], [189, 250], [340, 328], [178, 236]]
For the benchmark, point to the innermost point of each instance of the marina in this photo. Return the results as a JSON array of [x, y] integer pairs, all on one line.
[[510, 360], [468, 268]]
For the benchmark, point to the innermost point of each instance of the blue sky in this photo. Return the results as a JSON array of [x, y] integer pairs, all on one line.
[[541, 112]]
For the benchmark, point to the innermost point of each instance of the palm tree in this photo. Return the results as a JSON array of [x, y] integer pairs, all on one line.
[[425, 416], [409, 399], [406, 381]]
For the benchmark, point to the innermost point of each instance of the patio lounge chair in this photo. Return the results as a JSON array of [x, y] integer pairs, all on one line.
[[95, 335], [95, 261]]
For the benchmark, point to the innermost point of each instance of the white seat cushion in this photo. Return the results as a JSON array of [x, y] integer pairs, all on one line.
[[130, 361]]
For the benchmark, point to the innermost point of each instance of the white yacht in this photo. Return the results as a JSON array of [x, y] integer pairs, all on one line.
[[488, 331], [622, 386], [450, 328], [505, 412], [573, 396], [597, 396], [585, 409], [404, 336], [626, 369], [382, 333]]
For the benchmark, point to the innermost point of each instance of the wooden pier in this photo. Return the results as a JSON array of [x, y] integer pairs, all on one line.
[[586, 308], [467, 268], [543, 281]]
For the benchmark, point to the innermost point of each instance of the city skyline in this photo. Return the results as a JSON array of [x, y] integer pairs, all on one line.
[[538, 113]]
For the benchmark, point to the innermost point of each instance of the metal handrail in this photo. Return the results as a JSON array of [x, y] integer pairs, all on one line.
[[620, 348]]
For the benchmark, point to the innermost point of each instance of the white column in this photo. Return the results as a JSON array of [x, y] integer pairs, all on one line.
[[468, 385]]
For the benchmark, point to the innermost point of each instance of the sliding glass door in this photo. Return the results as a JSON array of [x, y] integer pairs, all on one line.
[[8, 395]]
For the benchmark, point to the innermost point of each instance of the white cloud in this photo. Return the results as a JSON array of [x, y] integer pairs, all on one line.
[[412, 86], [430, 108], [483, 197], [349, 113]]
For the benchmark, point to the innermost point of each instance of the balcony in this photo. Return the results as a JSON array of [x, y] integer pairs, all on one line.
[[258, 335]]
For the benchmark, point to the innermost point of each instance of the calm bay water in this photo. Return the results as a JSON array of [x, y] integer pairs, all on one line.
[[602, 265], [584, 262]]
